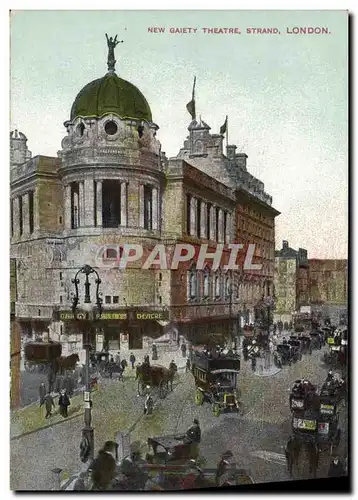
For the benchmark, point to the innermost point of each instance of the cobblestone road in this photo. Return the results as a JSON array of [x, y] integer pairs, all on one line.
[[261, 432]]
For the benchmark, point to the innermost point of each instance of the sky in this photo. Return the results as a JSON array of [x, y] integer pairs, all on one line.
[[285, 95]]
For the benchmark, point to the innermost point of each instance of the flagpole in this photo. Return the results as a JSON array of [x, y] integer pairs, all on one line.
[[227, 130]]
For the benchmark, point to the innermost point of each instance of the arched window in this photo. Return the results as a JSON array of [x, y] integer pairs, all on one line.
[[227, 286], [206, 284], [217, 287], [192, 283]]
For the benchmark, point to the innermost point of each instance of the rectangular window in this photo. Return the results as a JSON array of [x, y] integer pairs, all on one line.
[[60, 276], [60, 299], [95, 202], [115, 299], [108, 299], [75, 213], [160, 300], [31, 211], [148, 207], [217, 210], [198, 218], [225, 226], [188, 206], [20, 215], [208, 221], [12, 216]]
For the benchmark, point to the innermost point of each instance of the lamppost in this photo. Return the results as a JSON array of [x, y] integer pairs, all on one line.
[[91, 312]]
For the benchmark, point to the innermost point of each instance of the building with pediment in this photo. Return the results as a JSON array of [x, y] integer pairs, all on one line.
[[110, 184]]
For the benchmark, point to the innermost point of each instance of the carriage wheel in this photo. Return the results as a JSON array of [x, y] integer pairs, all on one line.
[[163, 389], [141, 388], [216, 409], [199, 397]]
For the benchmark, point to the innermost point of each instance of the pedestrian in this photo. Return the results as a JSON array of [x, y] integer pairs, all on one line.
[[42, 391], [111, 360], [124, 364], [193, 434], [64, 403], [154, 352], [49, 404], [148, 405], [336, 469], [132, 360], [118, 358], [187, 366], [292, 452], [183, 350]]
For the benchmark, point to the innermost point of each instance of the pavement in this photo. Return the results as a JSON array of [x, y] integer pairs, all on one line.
[[257, 439]]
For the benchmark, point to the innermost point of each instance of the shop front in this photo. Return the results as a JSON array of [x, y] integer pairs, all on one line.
[[120, 330]]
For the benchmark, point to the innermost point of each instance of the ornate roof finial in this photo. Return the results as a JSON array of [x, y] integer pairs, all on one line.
[[112, 43]]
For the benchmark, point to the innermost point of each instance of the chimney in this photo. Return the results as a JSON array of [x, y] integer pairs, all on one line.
[[230, 152], [284, 245], [241, 160]]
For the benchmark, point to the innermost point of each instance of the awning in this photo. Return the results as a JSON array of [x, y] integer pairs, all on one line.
[[163, 323]]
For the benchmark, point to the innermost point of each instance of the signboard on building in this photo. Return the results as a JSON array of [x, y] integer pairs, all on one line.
[[12, 285], [151, 315], [107, 315]]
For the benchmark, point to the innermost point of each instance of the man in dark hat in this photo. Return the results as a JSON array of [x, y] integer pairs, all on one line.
[[64, 403], [336, 469], [222, 466], [49, 404], [193, 434], [42, 391]]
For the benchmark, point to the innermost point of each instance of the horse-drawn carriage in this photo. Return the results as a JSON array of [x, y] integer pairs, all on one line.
[[154, 376], [40, 355], [296, 345], [338, 347], [101, 362], [171, 449], [283, 355], [315, 416], [215, 381]]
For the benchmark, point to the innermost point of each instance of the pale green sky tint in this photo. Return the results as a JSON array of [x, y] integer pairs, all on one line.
[[286, 96]]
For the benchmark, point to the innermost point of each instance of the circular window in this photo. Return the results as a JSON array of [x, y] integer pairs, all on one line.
[[111, 128]]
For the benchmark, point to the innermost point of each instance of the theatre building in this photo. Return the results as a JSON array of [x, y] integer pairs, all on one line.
[[111, 184]]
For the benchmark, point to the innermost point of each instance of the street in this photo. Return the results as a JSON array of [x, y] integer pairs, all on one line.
[[29, 386], [257, 439]]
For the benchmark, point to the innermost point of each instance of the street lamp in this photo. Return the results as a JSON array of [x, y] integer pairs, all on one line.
[[92, 312]]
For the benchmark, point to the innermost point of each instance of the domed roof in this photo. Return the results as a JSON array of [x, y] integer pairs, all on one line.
[[111, 94]]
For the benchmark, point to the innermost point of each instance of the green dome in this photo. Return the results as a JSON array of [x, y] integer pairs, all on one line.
[[111, 94]]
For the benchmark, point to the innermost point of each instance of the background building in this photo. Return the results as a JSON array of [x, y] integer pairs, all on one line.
[[328, 281], [110, 184], [291, 282]]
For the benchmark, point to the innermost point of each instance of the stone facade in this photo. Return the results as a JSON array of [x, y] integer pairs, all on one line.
[[111, 184], [328, 281], [291, 281]]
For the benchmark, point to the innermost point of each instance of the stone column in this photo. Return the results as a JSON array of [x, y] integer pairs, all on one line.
[[228, 228], [36, 210], [16, 214], [133, 193], [98, 207], [25, 215], [89, 203], [155, 209], [141, 207], [123, 204], [221, 226], [193, 220], [203, 220], [212, 222], [81, 203], [67, 206]]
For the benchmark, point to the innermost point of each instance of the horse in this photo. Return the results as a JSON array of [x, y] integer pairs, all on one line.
[[292, 452], [62, 363], [154, 375]]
